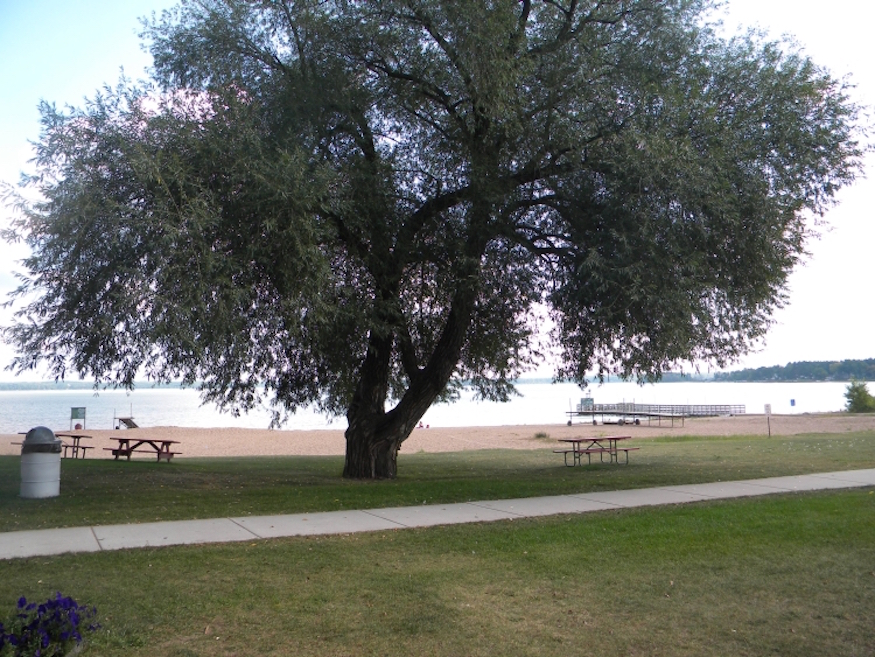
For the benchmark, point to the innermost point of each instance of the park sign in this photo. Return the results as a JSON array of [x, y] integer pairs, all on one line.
[[77, 413]]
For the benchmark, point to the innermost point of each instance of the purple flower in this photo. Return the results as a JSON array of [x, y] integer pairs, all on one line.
[[46, 628]]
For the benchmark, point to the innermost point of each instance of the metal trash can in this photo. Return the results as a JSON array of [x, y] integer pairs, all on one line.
[[40, 464]]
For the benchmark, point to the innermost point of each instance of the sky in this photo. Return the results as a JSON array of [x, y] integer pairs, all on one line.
[[63, 51]]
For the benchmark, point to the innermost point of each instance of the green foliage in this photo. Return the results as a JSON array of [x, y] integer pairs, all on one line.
[[859, 398], [350, 203]]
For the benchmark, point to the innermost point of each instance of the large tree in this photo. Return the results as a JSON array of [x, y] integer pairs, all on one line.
[[359, 204]]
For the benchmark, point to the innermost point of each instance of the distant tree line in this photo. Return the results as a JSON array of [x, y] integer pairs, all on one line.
[[846, 370]]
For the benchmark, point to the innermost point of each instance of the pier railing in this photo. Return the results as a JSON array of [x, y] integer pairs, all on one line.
[[665, 410]]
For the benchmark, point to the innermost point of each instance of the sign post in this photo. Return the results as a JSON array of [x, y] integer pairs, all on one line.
[[768, 410], [77, 413]]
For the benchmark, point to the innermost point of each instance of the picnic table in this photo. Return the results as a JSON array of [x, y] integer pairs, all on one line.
[[590, 445], [161, 447], [74, 446]]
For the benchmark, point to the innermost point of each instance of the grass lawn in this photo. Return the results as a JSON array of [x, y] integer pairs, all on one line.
[[104, 491], [778, 575], [781, 575]]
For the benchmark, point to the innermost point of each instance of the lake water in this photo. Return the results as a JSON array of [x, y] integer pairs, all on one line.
[[540, 403]]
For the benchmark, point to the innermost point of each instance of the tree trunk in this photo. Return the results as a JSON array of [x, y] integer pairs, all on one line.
[[372, 453], [374, 436]]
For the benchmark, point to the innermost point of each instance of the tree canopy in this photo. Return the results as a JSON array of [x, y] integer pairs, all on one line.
[[357, 204]]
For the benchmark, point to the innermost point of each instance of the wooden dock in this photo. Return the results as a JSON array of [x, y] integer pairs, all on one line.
[[630, 413]]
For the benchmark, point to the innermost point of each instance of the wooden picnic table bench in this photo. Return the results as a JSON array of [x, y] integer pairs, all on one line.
[[74, 448], [600, 445], [161, 447]]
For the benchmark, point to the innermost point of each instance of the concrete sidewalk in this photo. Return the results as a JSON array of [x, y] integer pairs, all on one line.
[[43, 542]]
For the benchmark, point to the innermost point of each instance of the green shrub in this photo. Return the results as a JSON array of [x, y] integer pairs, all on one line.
[[859, 398]]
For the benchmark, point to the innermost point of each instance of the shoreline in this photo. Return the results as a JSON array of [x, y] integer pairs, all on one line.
[[230, 442]]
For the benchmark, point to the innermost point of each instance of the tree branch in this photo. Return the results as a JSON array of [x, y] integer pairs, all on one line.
[[429, 91], [408, 353]]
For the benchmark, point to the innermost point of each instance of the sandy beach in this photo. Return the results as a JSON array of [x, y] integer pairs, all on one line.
[[195, 442]]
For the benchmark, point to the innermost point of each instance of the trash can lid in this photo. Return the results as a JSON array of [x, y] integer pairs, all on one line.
[[40, 436]]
